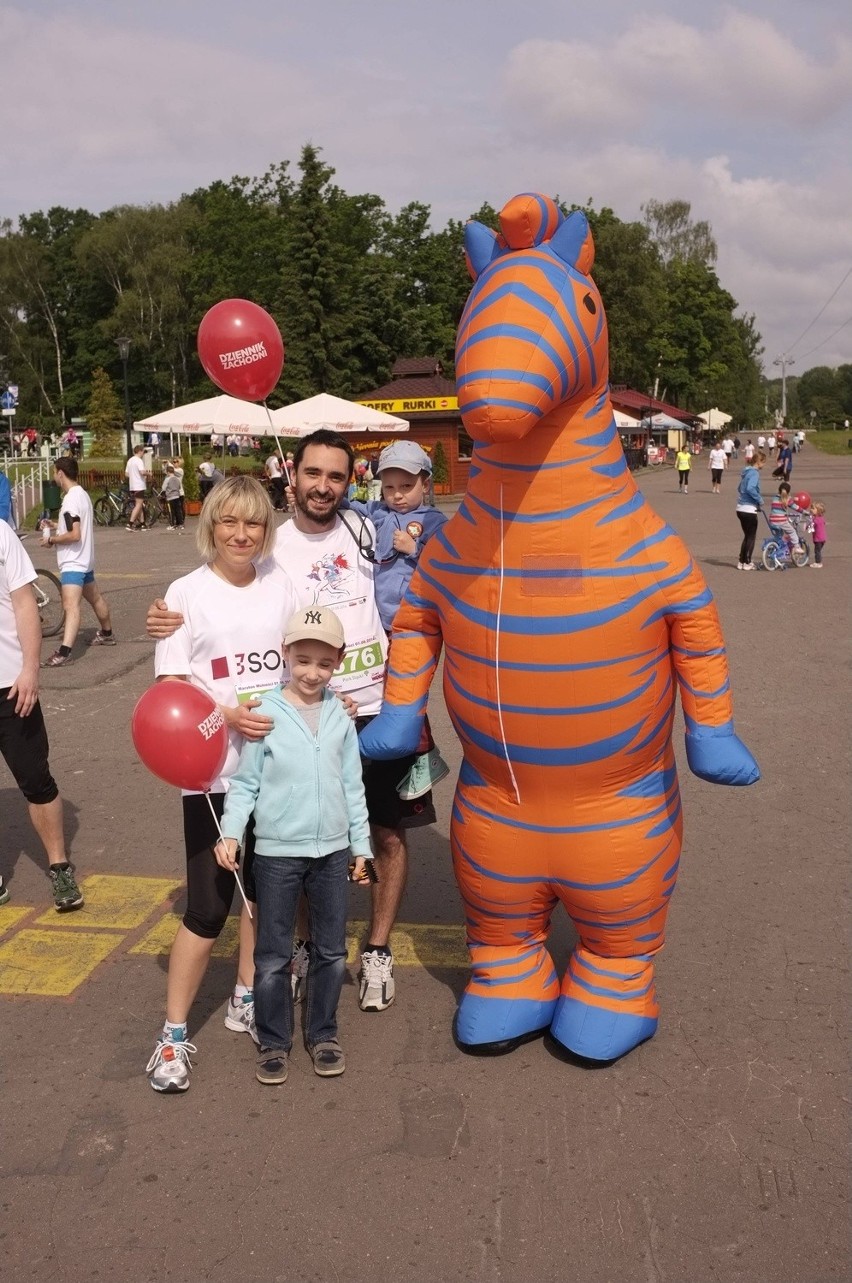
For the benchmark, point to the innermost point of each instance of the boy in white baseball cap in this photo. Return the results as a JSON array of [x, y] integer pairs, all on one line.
[[303, 785], [403, 522]]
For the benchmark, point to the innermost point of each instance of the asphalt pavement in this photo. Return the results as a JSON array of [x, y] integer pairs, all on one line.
[[716, 1152]]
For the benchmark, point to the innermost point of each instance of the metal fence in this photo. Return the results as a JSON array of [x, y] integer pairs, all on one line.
[[26, 478]]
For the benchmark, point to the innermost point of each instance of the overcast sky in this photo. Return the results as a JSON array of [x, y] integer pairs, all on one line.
[[744, 110]]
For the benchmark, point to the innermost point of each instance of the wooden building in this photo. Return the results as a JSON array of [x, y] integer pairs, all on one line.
[[418, 392]]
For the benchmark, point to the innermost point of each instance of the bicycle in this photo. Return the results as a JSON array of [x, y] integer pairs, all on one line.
[[110, 507], [777, 553], [47, 591], [117, 505]]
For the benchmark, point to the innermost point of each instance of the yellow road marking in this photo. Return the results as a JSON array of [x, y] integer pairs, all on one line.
[[413, 945], [55, 961], [115, 901], [11, 914], [158, 941], [52, 963]]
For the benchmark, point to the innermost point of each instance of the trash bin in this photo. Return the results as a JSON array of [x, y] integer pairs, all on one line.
[[51, 496]]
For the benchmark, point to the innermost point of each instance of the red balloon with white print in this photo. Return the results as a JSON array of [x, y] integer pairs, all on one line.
[[241, 348], [180, 734]]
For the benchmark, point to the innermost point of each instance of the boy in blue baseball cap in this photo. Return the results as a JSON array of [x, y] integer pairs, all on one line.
[[403, 522]]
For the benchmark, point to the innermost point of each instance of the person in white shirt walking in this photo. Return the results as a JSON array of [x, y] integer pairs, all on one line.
[[138, 477], [72, 535], [717, 463]]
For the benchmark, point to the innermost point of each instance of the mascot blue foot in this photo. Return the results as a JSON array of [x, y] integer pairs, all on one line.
[[497, 1025], [597, 1034]]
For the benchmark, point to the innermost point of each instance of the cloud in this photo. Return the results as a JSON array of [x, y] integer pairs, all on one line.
[[743, 65], [107, 106]]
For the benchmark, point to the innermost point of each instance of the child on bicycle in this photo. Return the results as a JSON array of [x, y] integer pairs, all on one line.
[[779, 517]]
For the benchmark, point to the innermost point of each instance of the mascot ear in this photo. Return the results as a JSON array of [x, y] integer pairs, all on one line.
[[573, 243], [481, 247]]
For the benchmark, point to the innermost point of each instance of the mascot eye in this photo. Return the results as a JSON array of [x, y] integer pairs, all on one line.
[[589, 304]]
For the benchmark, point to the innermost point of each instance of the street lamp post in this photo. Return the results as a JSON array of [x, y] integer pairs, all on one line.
[[124, 352]]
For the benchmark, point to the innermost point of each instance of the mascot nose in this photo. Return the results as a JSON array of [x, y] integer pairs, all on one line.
[[500, 409]]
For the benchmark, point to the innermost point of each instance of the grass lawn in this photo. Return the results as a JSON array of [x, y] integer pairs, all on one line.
[[831, 442]]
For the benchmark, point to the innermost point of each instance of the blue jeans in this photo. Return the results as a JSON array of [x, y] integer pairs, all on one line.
[[279, 881]]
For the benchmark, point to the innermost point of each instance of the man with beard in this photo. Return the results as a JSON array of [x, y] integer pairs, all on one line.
[[329, 565]]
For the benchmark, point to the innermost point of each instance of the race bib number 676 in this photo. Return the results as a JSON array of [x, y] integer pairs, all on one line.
[[360, 659]]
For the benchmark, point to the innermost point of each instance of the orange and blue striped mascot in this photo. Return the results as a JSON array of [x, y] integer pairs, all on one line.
[[569, 613]]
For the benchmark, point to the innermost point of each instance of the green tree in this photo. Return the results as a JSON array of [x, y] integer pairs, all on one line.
[[677, 238], [821, 389], [632, 283], [104, 416], [440, 470]]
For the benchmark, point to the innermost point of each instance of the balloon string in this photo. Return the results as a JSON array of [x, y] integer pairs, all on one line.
[[274, 433], [222, 837], [278, 444]]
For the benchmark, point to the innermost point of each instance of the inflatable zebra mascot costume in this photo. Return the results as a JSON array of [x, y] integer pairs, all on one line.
[[569, 613]]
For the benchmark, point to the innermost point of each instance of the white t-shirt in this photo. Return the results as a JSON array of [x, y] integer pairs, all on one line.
[[328, 570], [273, 467], [76, 556], [135, 473], [718, 457], [16, 569], [761, 442], [728, 446], [230, 641]]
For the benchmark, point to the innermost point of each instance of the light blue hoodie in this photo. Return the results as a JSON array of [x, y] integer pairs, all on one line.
[[306, 791]]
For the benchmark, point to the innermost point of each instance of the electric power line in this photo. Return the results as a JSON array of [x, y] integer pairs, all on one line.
[[828, 339], [816, 318]]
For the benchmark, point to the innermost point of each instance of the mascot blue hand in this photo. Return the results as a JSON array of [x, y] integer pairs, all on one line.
[[716, 754], [394, 733]]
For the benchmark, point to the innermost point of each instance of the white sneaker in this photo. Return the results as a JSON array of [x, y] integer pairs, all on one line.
[[240, 1016], [169, 1067], [299, 963], [376, 990]]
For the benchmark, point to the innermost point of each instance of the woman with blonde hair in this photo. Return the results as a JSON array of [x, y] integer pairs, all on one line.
[[234, 610]]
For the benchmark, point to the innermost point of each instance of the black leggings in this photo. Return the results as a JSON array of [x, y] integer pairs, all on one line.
[[209, 887], [748, 521], [682, 477]]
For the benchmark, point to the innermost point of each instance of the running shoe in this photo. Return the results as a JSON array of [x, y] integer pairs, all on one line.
[[240, 1016], [169, 1067], [376, 988], [66, 894], [299, 963], [56, 660], [103, 639]]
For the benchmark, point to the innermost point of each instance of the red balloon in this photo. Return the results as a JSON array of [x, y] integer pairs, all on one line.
[[802, 500], [241, 349], [180, 734]]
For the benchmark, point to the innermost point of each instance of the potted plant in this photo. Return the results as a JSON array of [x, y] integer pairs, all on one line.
[[191, 489], [440, 470]]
